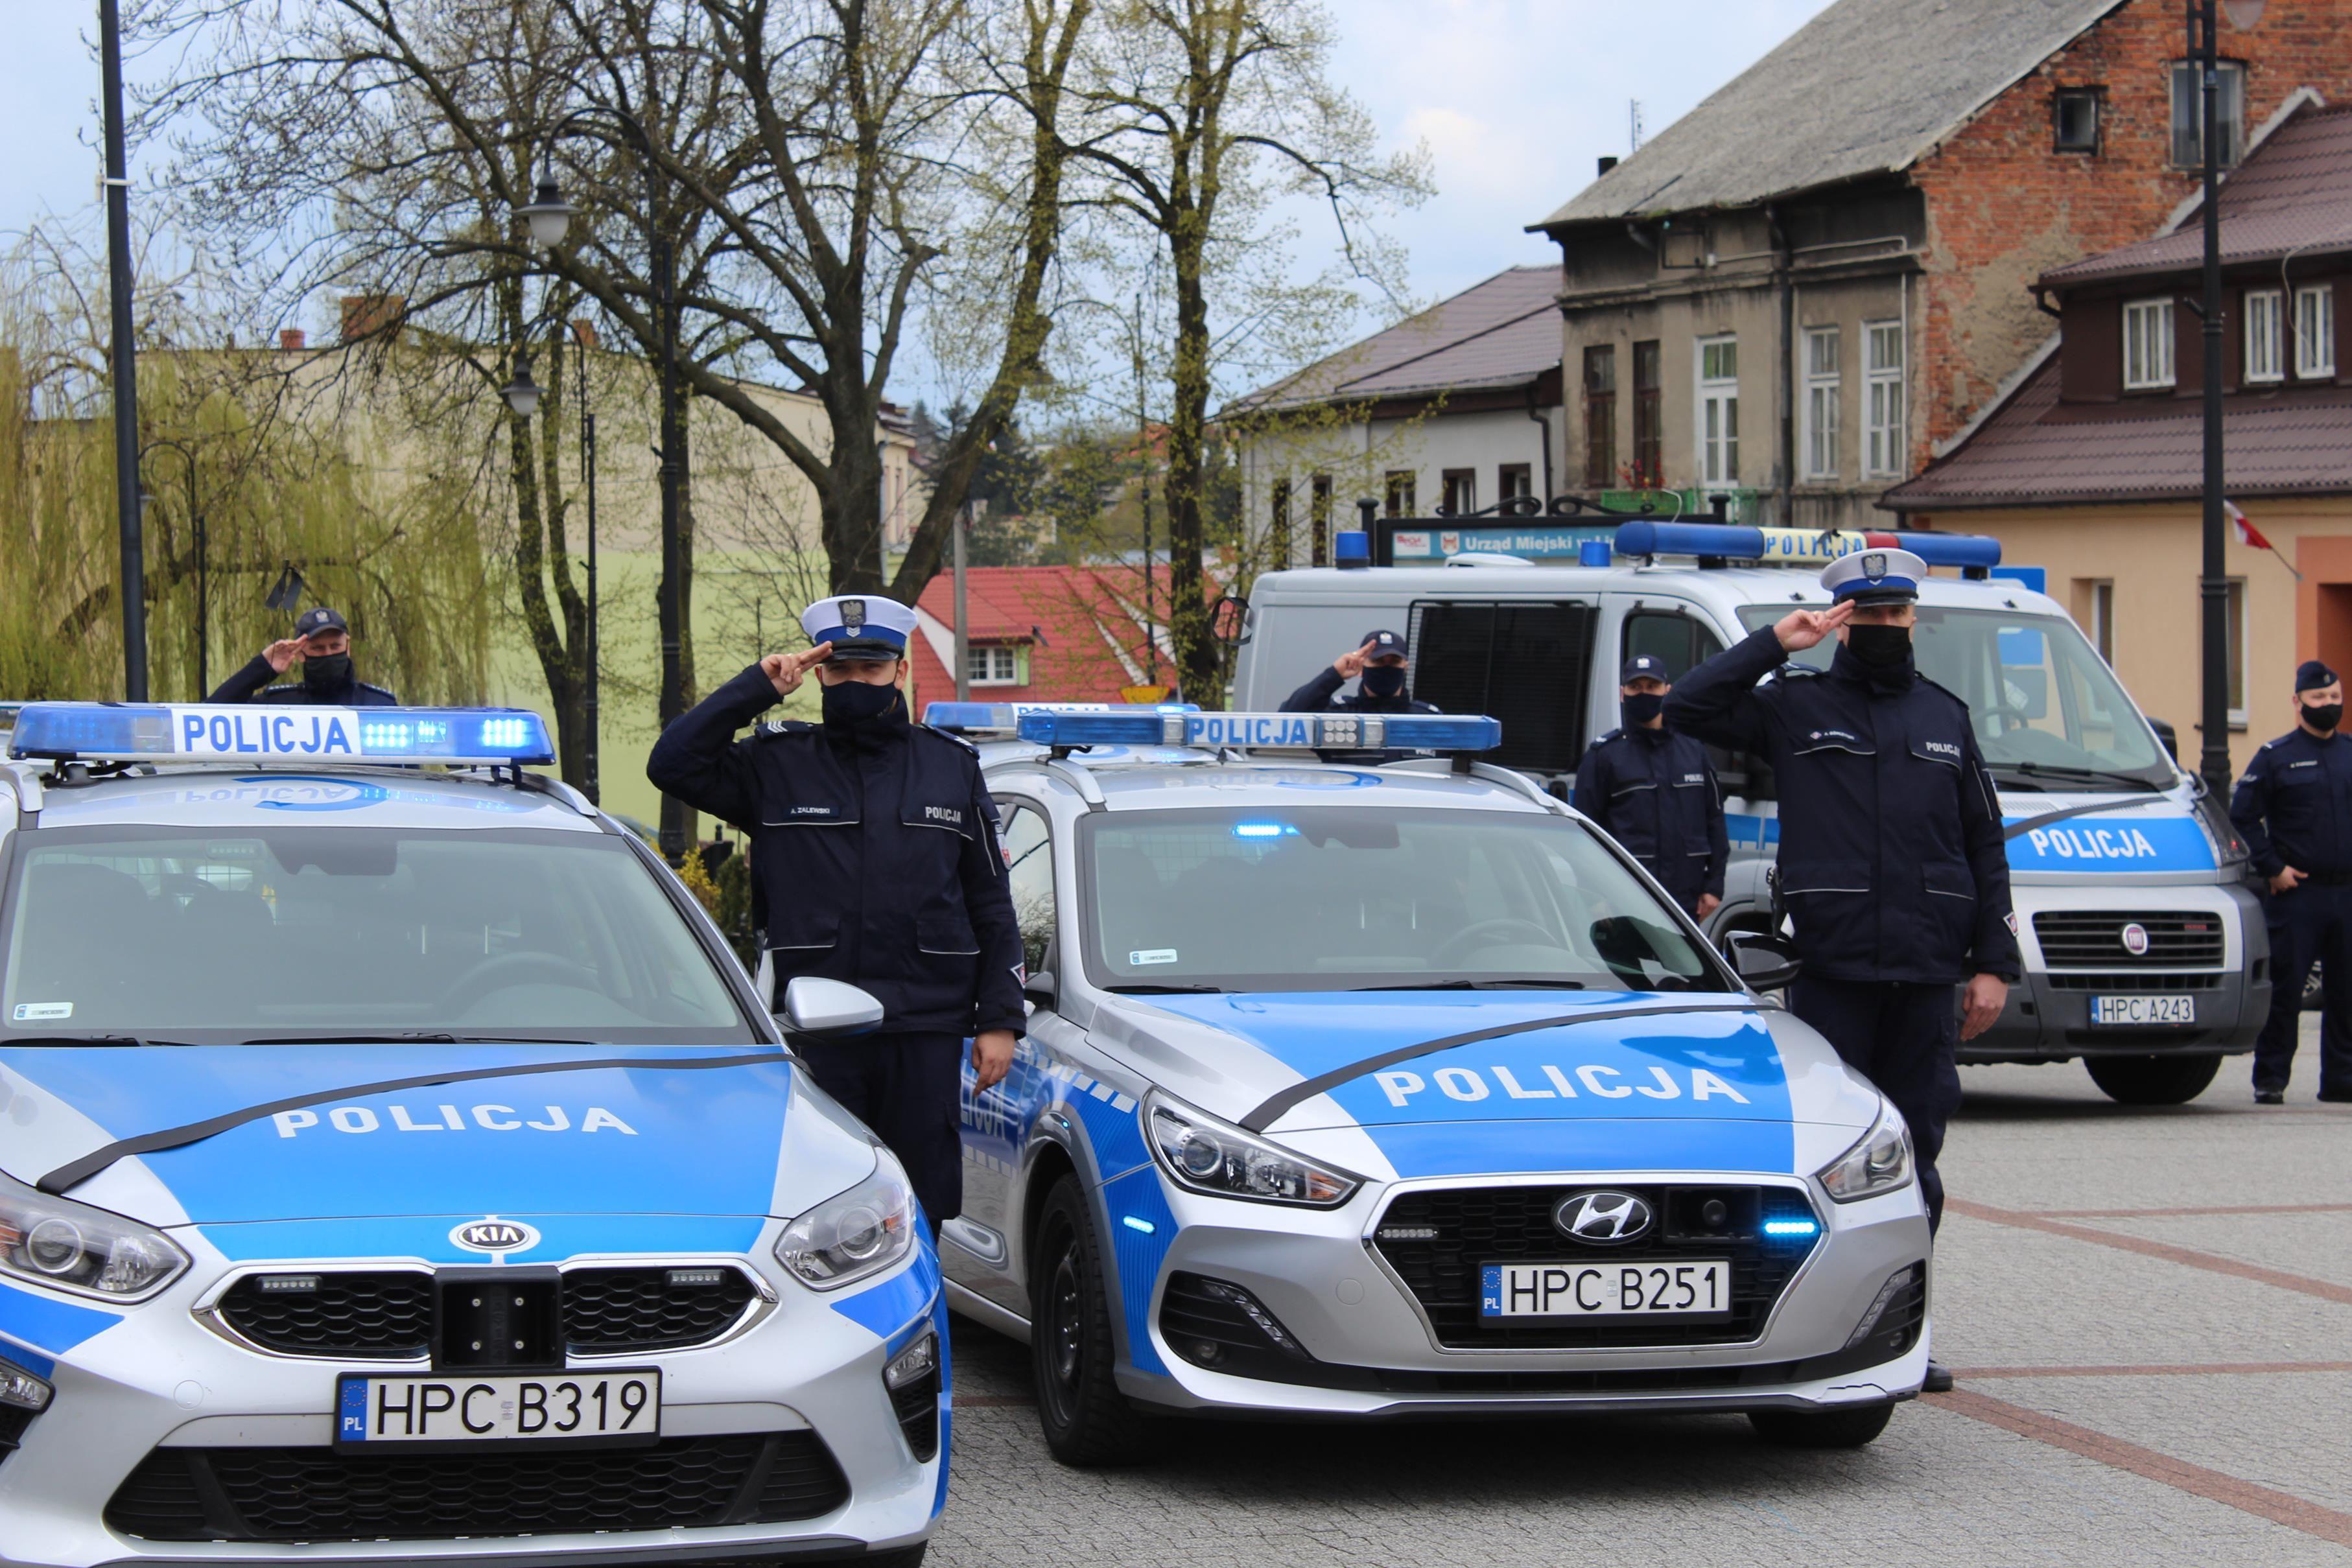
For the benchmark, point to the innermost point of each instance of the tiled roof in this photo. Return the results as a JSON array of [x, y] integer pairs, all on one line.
[[1083, 626], [2292, 196], [1868, 87], [2036, 451], [1503, 332]]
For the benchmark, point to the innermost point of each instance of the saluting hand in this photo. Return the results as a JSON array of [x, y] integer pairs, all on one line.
[[1803, 629], [1351, 665], [787, 670], [282, 654]]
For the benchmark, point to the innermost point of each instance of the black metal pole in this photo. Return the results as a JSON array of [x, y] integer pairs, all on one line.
[[588, 475], [673, 442], [203, 589], [123, 353], [2213, 761]]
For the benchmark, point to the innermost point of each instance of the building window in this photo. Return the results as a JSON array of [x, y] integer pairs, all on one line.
[[1883, 389], [2314, 332], [2236, 636], [2265, 339], [2074, 119], [1821, 399], [1400, 489], [1460, 488], [992, 664], [2099, 603], [1279, 524], [2147, 344], [1649, 416], [1718, 410], [2188, 108], [1318, 520], [1599, 418], [1513, 480]]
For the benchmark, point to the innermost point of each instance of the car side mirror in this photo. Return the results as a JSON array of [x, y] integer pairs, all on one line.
[[2168, 735], [813, 1005], [1041, 988], [1763, 960]]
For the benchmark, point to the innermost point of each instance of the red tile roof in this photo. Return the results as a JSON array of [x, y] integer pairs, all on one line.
[[1083, 627]]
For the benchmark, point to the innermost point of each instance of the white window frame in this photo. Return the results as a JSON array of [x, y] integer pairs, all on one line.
[[1824, 391], [2103, 618], [1885, 395], [2245, 649], [2314, 332], [2148, 352], [995, 665], [1716, 423], [2265, 342]]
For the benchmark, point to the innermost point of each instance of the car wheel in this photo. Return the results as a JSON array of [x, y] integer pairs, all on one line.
[[1821, 1428], [1085, 1418], [2153, 1080]]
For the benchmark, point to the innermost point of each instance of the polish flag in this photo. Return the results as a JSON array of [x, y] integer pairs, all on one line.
[[2247, 533]]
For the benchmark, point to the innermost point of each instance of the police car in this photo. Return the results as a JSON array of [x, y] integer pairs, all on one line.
[[395, 1165], [1365, 1091]]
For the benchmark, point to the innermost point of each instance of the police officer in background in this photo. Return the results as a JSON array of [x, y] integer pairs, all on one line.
[[2294, 806], [876, 860], [323, 643], [1378, 668], [1655, 792], [1891, 860]]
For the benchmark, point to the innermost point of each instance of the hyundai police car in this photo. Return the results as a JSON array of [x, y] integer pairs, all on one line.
[[396, 1166], [1358, 1090]]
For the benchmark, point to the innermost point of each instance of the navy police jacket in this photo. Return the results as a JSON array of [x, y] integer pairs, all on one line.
[[251, 685], [877, 862], [2293, 805], [1655, 792], [1891, 861]]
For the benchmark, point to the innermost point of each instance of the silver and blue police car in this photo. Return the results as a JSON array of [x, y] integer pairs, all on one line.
[[1363, 1090], [396, 1166]]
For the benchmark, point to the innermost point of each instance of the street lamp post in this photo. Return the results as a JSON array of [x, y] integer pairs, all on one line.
[[204, 582], [123, 353], [522, 394]]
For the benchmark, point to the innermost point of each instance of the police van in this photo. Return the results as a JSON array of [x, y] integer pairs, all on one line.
[[396, 1166], [2145, 949]]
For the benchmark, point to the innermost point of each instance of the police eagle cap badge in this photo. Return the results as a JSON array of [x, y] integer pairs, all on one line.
[[1873, 566], [853, 614]]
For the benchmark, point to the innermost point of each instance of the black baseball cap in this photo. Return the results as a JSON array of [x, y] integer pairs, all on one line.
[[1641, 666], [1382, 645], [2312, 675], [318, 619]]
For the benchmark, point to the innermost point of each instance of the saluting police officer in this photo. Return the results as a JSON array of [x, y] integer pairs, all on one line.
[[2294, 807], [1377, 665], [1891, 860], [875, 851], [323, 643], [1655, 792]]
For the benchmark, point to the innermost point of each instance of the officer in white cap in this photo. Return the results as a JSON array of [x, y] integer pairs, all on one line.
[[874, 860], [1891, 864]]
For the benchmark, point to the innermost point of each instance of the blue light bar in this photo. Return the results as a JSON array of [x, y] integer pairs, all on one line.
[[1800, 546], [1790, 1227], [1270, 731], [257, 734]]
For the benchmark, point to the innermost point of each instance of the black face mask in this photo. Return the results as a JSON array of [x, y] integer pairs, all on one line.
[[327, 672], [1642, 707], [1879, 647], [858, 702], [1384, 680], [2323, 716]]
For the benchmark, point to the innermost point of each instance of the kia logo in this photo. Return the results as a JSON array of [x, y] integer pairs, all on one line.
[[494, 1235], [2135, 940], [1603, 1217]]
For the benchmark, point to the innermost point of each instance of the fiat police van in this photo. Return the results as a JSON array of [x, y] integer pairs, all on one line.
[[2144, 944]]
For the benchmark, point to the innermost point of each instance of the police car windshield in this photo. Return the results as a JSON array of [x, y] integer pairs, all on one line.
[[2037, 694], [1360, 897], [304, 932]]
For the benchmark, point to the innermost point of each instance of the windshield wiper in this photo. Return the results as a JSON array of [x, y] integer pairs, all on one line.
[[1155, 991], [2085, 775], [1516, 983], [411, 1037], [84, 1040]]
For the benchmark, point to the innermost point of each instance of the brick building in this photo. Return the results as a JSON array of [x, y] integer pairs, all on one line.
[[1839, 244]]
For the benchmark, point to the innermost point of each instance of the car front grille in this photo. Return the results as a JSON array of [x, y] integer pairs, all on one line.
[[2094, 939], [2139, 982], [398, 1314], [322, 1494], [1438, 1239]]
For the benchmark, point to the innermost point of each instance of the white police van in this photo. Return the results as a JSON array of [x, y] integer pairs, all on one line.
[[2144, 950], [1361, 1091], [395, 1165]]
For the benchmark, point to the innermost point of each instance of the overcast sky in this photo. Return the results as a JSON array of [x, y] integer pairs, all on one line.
[[1515, 98]]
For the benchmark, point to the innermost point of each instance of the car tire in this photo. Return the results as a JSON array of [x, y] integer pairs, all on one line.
[[2153, 1080], [1821, 1428], [1073, 1354]]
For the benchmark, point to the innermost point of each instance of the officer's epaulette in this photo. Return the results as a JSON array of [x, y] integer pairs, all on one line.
[[943, 734], [1618, 734], [1790, 668], [776, 726], [384, 692]]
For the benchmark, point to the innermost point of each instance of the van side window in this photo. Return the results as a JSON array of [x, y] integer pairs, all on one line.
[[1528, 665], [1029, 867], [1682, 640]]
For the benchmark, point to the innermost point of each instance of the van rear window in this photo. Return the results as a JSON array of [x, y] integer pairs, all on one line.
[[1528, 665]]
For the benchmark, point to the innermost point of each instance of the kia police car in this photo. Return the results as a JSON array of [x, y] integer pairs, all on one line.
[[395, 1165], [1374, 1090]]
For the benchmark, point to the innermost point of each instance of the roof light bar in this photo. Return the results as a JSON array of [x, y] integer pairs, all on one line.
[[1266, 731], [1805, 546], [258, 735]]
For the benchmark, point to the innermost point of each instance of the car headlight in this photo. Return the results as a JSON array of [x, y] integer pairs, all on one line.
[[70, 1246], [1212, 1156], [1879, 1162], [855, 1234]]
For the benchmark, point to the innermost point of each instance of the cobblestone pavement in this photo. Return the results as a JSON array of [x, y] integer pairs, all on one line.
[[2149, 1311]]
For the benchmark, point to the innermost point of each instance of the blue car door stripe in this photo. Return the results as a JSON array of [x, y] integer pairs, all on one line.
[[66, 1177], [1298, 1093]]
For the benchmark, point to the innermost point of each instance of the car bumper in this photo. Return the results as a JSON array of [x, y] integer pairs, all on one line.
[[1366, 1344], [160, 1379]]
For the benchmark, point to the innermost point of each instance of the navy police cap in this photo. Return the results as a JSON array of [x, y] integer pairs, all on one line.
[[860, 625], [318, 619], [1641, 666], [2312, 675], [1382, 645], [1874, 577]]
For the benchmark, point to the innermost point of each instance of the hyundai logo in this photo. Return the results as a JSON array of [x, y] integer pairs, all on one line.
[[2135, 940], [494, 1235], [1601, 1217]]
